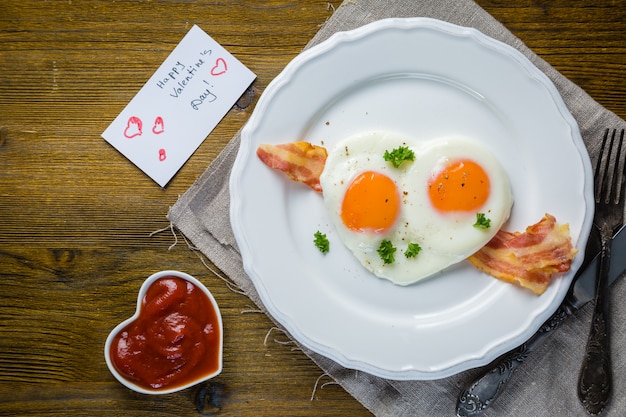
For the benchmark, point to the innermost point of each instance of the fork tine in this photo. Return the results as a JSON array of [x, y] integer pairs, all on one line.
[[600, 180], [617, 185], [623, 177], [614, 194]]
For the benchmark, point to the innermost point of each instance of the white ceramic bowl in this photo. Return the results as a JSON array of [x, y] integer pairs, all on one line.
[[142, 292]]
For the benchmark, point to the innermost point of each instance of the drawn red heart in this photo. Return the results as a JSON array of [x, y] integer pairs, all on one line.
[[133, 127], [158, 127], [173, 341], [219, 68]]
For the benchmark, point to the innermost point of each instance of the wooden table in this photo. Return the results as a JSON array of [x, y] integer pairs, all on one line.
[[76, 243]]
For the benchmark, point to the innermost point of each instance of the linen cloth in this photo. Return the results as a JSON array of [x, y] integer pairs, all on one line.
[[546, 384]]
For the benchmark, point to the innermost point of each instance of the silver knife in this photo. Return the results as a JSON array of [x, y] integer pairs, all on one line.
[[478, 395]]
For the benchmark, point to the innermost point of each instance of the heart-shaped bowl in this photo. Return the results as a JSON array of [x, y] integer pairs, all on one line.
[[172, 342]]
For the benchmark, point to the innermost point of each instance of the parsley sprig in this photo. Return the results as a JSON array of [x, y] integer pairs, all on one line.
[[321, 242], [482, 222], [412, 250], [399, 155], [386, 251]]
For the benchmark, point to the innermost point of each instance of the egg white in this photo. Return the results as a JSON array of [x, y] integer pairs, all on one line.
[[445, 238]]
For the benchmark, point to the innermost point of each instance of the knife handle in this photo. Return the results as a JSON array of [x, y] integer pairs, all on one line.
[[483, 391]]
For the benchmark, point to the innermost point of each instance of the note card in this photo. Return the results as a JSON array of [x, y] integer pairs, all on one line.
[[179, 106]]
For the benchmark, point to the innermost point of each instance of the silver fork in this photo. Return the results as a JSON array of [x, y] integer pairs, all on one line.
[[594, 382]]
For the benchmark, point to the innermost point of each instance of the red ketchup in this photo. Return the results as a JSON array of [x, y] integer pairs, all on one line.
[[175, 339]]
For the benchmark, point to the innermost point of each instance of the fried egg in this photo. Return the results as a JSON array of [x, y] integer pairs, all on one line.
[[425, 213]]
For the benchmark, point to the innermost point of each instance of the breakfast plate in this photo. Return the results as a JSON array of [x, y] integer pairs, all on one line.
[[426, 79]]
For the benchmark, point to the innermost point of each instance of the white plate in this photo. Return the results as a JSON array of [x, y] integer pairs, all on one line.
[[424, 78]]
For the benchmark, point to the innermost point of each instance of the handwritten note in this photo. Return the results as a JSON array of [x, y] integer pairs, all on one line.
[[179, 106]]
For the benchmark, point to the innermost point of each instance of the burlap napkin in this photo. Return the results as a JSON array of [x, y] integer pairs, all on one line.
[[546, 384]]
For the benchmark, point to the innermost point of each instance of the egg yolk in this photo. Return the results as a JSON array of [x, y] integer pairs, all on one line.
[[460, 186], [371, 203]]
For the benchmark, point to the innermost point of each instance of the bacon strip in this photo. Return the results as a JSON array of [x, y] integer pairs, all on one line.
[[301, 161], [529, 259]]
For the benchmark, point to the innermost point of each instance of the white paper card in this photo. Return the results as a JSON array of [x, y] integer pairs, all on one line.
[[179, 106]]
